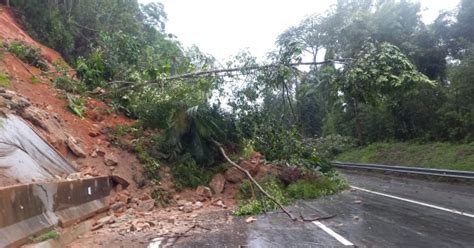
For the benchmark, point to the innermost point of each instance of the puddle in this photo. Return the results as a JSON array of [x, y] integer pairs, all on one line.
[[25, 156]]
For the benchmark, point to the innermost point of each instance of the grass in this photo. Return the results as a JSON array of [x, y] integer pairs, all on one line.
[[4, 80], [53, 234], [431, 155]]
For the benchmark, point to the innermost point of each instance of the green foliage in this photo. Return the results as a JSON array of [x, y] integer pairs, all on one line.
[[254, 202], [188, 174], [325, 186], [28, 54], [162, 197], [261, 203], [4, 80], [35, 80], [53, 234], [381, 70], [150, 164], [76, 105], [329, 146], [430, 155], [69, 85]]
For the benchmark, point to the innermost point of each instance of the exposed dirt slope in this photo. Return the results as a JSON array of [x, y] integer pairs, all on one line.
[[50, 117]]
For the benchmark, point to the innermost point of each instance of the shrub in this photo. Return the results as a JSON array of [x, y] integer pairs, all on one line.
[[187, 173], [69, 85], [161, 196], [151, 165], [258, 203], [28, 54], [76, 104]]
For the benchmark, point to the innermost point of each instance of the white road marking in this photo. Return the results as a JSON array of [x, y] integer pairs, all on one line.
[[454, 211], [329, 231]]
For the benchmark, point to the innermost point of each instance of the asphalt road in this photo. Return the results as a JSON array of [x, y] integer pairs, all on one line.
[[379, 211]]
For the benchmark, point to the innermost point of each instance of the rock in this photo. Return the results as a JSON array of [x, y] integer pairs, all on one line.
[[118, 207], [204, 192], [19, 103], [181, 203], [100, 152], [73, 145], [94, 154], [219, 203], [188, 207], [110, 160], [99, 91], [94, 134], [105, 220], [250, 220], [234, 175], [122, 197], [74, 176], [252, 168], [217, 183], [145, 197], [41, 119], [198, 205], [146, 206]]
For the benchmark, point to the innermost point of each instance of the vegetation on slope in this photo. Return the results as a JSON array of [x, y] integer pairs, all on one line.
[[392, 84], [432, 155]]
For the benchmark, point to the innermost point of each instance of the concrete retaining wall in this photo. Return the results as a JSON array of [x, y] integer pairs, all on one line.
[[27, 210]]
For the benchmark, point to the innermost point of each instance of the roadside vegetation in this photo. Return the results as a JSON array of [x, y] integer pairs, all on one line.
[[432, 155], [305, 186], [384, 77]]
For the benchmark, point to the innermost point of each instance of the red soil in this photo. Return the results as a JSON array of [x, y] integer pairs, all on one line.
[[46, 97]]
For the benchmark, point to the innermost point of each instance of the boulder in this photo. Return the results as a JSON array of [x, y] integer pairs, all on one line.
[[39, 118], [188, 207], [19, 103], [73, 145], [110, 160], [181, 203], [74, 176], [234, 175], [146, 206], [118, 207], [204, 192], [251, 167], [198, 205], [145, 197], [217, 183]]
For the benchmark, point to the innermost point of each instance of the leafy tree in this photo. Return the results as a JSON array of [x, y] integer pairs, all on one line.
[[380, 75]]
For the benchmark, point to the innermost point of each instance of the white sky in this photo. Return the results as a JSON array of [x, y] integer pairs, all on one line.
[[224, 27]]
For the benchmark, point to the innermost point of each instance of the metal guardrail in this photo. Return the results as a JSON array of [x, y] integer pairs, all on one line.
[[411, 170]]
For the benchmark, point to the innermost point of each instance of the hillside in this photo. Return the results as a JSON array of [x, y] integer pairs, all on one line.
[[50, 117]]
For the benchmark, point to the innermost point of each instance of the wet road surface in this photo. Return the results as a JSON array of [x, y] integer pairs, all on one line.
[[380, 211]]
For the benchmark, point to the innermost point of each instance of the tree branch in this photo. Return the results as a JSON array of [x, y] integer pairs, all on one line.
[[256, 67], [247, 173]]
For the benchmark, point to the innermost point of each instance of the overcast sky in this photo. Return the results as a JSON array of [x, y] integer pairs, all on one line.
[[224, 27]]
